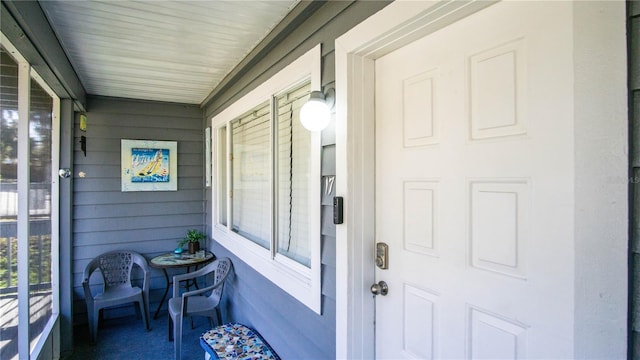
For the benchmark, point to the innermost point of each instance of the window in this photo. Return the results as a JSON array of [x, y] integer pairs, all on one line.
[[293, 170], [250, 160], [266, 208], [29, 136]]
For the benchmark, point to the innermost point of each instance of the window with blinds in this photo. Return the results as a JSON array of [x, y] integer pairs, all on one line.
[[271, 166], [266, 207], [251, 175], [221, 179], [293, 171]]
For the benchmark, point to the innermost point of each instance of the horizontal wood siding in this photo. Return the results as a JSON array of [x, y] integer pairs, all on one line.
[[290, 327], [148, 222], [295, 331]]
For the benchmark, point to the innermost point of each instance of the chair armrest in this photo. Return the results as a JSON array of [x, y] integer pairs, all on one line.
[[145, 281], [200, 291], [188, 294], [181, 277], [87, 290], [141, 261], [211, 267], [186, 276]]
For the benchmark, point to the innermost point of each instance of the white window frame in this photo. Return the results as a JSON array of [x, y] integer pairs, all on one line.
[[301, 282], [26, 348]]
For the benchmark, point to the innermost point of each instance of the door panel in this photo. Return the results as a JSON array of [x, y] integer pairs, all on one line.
[[474, 188]]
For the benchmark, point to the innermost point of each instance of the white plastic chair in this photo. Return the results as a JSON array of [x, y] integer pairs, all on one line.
[[196, 302], [115, 267]]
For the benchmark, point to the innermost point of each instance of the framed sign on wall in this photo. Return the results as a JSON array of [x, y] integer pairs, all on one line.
[[149, 165]]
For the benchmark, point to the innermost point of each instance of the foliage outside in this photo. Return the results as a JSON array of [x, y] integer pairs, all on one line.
[[39, 261]]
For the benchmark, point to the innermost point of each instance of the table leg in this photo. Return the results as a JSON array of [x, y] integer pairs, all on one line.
[[190, 282], [188, 286], [164, 296]]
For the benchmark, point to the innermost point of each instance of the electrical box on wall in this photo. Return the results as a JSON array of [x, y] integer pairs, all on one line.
[[337, 210]]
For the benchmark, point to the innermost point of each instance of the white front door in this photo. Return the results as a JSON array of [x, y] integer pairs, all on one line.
[[474, 188]]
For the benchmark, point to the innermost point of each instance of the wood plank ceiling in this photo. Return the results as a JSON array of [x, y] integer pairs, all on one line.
[[175, 51]]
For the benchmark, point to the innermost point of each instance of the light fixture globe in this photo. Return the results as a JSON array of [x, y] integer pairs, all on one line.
[[315, 114]]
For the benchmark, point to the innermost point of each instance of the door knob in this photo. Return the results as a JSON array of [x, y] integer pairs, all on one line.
[[380, 288], [64, 173]]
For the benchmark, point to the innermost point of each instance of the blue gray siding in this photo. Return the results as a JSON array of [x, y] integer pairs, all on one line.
[[147, 222], [104, 218], [295, 331]]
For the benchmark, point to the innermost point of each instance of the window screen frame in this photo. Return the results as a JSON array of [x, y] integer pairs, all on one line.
[[301, 282], [32, 346]]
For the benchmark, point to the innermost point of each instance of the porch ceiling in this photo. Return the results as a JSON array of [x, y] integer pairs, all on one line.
[[176, 51]]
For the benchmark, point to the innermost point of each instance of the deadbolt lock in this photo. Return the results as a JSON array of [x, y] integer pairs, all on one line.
[[382, 255]]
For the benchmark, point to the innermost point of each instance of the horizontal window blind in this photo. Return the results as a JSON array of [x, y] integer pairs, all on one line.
[[251, 193], [292, 178], [251, 160], [223, 189]]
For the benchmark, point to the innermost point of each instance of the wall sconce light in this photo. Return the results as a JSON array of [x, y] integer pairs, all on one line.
[[315, 114]]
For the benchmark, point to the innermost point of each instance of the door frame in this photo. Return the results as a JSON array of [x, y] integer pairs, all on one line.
[[600, 174], [394, 26]]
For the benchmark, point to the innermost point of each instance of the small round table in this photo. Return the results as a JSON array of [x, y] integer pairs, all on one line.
[[170, 261]]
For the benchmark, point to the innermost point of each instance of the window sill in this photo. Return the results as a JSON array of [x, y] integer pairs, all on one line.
[[295, 279]]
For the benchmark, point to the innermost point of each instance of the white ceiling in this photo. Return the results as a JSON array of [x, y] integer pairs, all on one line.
[[176, 51]]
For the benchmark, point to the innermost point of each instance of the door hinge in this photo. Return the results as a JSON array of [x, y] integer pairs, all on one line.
[[230, 157], [231, 194]]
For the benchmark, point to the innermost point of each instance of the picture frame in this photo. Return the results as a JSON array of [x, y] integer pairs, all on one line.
[[149, 165]]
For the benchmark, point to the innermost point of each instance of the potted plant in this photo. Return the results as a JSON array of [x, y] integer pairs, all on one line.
[[193, 240]]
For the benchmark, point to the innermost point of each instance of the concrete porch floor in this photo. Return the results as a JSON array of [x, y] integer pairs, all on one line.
[[126, 338]]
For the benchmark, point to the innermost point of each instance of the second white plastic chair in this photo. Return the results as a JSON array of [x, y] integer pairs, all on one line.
[[202, 302]]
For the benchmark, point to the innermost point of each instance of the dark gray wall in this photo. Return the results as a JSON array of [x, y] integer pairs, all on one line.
[[66, 228], [148, 222], [295, 331]]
